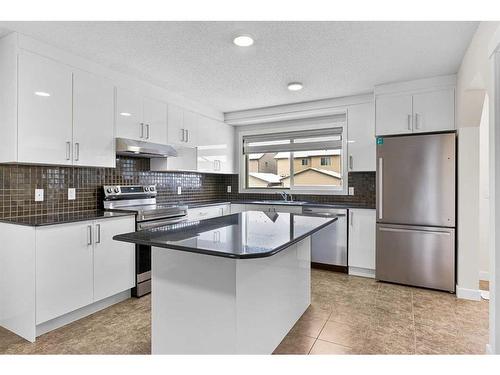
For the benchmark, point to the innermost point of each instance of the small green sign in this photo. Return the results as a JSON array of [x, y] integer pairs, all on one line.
[[380, 140]]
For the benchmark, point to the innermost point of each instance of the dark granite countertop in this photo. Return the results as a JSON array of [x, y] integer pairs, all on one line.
[[62, 218], [279, 202], [249, 234]]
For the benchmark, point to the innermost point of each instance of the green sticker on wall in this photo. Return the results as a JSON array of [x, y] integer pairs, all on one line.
[[380, 140]]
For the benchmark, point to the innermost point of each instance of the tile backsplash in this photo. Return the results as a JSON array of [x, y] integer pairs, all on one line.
[[18, 184]]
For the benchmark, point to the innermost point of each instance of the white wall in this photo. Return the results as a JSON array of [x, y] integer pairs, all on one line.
[[474, 82], [484, 192], [476, 73]]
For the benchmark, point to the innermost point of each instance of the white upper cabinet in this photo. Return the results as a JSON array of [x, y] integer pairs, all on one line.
[[140, 118], [215, 146], [393, 114], [155, 120], [182, 126], [361, 137], [426, 105], [434, 111], [44, 111], [129, 115], [93, 121]]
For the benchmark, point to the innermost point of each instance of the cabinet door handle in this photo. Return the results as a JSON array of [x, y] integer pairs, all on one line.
[[215, 165], [351, 218], [417, 125], [68, 150], [98, 233], [409, 122], [147, 131], [350, 162], [187, 136], [142, 130], [89, 234], [77, 151]]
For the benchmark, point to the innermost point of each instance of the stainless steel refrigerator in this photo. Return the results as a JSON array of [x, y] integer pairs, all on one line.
[[416, 189]]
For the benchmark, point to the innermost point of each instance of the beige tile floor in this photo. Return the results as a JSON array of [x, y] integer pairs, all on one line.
[[348, 315], [353, 315]]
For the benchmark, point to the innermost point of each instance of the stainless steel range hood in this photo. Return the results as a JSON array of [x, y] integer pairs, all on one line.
[[131, 147]]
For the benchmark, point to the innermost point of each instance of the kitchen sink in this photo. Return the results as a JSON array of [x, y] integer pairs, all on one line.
[[292, 203]]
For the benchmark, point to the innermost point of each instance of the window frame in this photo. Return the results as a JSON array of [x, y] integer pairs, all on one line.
[[291, 126]]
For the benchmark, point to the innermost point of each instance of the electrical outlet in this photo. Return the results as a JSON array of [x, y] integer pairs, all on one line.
[[38, 195], [71, 194], [351, 191], [228, 188], [179, 190]]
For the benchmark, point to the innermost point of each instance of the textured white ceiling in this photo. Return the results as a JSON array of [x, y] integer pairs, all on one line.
[[199, 61]]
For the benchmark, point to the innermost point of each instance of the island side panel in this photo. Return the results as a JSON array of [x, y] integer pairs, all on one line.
[[17, 280], [272, 294], [193, 304]]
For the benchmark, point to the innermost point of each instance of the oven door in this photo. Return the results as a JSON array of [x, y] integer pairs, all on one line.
[[143, 256]]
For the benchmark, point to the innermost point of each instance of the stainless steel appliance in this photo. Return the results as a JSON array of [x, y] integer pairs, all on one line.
[[416, 187], [329, 245], [132, 147], [149, 214]]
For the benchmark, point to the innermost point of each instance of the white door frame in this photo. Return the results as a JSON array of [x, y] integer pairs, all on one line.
[[494, 316]]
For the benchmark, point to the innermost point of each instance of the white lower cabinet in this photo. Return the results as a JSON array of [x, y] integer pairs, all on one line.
[[64, 269], [79, 263], [114, 261], [207, 212], [361, 248]]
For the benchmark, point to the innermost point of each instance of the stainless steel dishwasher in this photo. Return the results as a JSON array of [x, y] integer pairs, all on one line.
[[329, 245]]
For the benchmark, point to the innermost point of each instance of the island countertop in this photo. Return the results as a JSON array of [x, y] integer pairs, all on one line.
[[249, 234]]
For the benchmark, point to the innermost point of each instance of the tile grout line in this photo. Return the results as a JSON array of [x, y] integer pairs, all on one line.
[[321, 330]]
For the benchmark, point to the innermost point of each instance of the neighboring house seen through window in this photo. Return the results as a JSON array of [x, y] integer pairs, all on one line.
[[300, 160]]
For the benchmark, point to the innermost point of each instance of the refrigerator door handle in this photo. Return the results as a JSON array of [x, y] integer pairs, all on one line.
[[383, 229], [380, 174]]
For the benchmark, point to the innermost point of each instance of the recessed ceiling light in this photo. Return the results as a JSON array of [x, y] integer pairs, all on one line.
[[41, 93], [126, 114], [295, 86], [243, 41]]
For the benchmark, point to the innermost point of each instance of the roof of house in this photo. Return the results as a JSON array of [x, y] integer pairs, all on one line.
[[323, 171], [255, 156], [305, 154], [267, 177]]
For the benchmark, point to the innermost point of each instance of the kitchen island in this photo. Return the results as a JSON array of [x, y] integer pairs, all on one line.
[[234, 284]]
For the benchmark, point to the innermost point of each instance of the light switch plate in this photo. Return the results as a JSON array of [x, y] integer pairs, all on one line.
[[228, 188], [179, 190], [38, 195], [351, 191], [71, 194]]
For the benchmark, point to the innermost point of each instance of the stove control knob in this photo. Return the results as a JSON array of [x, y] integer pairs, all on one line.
[[117, 190], [109, 190], [146, 188], [152, 188]]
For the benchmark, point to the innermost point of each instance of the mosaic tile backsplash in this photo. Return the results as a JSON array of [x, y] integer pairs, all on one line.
[[18, 184]]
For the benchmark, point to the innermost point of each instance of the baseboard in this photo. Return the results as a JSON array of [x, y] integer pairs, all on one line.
[[484, 275], [488, 349], [471, 294], [81, 313], [363, 272]]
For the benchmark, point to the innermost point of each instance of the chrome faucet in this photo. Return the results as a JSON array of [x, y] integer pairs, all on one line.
[[285, 196]]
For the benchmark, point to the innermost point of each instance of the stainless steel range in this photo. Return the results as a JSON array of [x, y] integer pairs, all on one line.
[[149, 214]]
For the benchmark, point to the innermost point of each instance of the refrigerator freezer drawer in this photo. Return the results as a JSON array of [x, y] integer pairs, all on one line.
[[418, 256]]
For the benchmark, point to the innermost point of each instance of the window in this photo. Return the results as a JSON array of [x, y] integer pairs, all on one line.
[[304, 160], [326, 161]]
